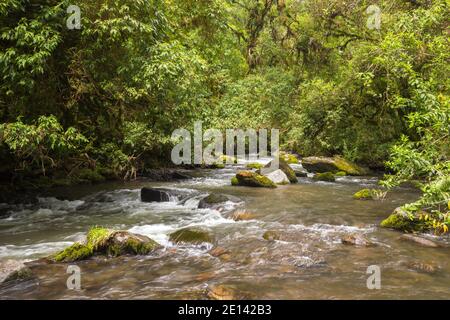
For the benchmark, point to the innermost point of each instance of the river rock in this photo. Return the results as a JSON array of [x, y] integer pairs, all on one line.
[[278, 177], [221, 253], [154, 195], [191, 235], [327, 177], [283, 166], [402, 221], [223, 292], [419, 240], [252, 179], [334, 165], [106, 242], [308, 262], [12, 270], [212, 200], [423, 267], [271, 236], [242, 216], [356, 240]]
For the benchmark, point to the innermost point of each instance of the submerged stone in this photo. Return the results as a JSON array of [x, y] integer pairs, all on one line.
[[191, 235], [271, 235], [419, 240], [356, 240]]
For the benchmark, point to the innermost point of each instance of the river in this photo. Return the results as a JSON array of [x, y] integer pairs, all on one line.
[[310, 262]]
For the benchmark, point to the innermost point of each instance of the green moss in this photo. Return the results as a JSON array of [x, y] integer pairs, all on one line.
[[101, 241], [191, 235], [348, 167], [252, 179], [97, 237], [75, 252], [255, 165], [402, 221], [289, 158], [340, 174], [327, 176], [234, 181], [364, 194]]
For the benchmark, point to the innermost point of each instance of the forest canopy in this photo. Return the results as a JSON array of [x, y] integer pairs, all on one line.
[[104, 99]]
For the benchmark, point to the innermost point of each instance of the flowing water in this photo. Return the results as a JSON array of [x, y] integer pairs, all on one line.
[[310, 262]]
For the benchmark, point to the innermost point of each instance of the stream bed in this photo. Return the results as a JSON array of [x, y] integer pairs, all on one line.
[[310, 262]]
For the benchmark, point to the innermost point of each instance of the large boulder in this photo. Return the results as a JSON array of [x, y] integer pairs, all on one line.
[[278, 177], [335, 164], [154, 195], [283, 166], [252, 179], [191, 236], [111, 243]]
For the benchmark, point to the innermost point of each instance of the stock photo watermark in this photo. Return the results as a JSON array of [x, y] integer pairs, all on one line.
[[374, 280], [374, 19], [74, 280], [236, 143], [73, 22]]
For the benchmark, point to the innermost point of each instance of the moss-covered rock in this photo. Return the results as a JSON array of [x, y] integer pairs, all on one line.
[[255, 165], [289, 158], [252, 179], [334, 165], [403, 221], [234, 181], [191, 235], [101, 241], [340, 174], [327, 176], [370, 194], [283, 166]]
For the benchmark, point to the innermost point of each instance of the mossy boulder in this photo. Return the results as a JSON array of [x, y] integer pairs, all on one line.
[[289, 158], [111, 243], [364, 194], [283, 166], [327, 177], [340, 174], [334, 165], [89, 175], [255, 166], [252, 179], [401, 220], [191, 236]]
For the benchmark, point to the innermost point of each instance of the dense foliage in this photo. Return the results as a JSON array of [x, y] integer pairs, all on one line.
[[110, 94]]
